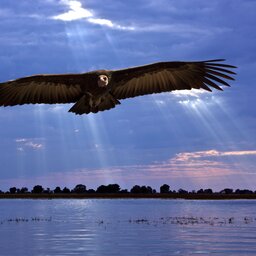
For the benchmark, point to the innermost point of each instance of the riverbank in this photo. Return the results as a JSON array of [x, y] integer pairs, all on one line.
[[214, 196]]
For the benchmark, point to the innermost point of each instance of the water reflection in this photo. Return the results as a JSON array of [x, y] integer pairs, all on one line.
[[127, 227]]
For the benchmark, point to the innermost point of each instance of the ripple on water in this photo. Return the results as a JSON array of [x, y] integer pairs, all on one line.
[[127, 227]]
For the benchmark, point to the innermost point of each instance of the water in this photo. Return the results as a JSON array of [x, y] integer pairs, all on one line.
[[127, 227]]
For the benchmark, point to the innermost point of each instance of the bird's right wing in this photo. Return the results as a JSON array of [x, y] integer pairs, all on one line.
[[42, 89], [169, 76]]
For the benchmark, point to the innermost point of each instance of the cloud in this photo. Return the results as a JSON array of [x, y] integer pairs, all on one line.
[[192, 93], [188, 98], [238, 153], [56, 108], [184, 30], [199, 168], [77, 12], [191, 156], [207, 159], [109, 23], [32, 143], [192, 96], [194, 165]]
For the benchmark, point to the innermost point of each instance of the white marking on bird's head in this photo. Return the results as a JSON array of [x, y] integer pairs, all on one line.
[[102, 81]]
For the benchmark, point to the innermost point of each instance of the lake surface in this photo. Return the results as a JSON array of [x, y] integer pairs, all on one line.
[[127, 227]]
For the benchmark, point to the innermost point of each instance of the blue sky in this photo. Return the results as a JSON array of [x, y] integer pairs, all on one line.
[[190, 140]]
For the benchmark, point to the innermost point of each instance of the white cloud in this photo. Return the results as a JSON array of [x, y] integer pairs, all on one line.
[[103, 22], [77, 12], [32, 143], [238, 153], [192, 93], [192, 165], [109, 23], [187, 156], [193, 97], [20, 140], [182, 29], [160, 102], [56, 108], [200, 168]]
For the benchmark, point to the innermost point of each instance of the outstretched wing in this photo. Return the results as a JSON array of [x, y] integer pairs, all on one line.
[[169, 76], [42, 89]]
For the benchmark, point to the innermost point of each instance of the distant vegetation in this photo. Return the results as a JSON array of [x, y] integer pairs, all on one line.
[[116, 189]]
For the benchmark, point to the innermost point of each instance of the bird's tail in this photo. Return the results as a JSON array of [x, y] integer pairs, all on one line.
[[83, 106]]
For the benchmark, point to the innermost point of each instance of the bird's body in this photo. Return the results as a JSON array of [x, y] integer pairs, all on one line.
[[102, 89]]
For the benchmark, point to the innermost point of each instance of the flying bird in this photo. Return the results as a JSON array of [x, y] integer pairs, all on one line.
[[102, 89]]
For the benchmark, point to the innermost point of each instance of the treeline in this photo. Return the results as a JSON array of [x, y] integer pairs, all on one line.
[[116, 189]]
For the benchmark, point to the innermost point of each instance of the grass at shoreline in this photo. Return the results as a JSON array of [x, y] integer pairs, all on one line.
[[130, 196]]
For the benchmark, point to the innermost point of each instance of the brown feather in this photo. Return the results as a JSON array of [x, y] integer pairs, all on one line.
[[169, 76], [222, 70], [44, 89], [216, 73], [125, 83]]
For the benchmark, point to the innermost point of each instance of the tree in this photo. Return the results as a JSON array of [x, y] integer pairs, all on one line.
[[57, 190], [66, 190], [124, 191], [148, 190], [80, 188], [243, 191], [101, 189], [182, 191], [141, 189], [13, 190], [208, 191], [47, 191], [164, 189], [38, 189], [111, 188], [226, 191], [23, 190], [205, 191], [135, 189]]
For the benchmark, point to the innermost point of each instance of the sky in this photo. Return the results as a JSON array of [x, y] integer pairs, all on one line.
[[187, 139]]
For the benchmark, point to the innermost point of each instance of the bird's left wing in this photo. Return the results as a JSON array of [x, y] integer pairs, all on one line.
[[169, 76], [42, 89]]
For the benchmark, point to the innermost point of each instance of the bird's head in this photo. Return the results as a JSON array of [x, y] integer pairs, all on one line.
[[103, 80]]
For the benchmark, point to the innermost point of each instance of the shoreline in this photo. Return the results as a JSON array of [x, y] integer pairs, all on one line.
[[130, 196]]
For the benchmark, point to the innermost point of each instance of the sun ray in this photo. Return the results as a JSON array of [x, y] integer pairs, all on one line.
[[206, 110], [99, 142], [78, 37]]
